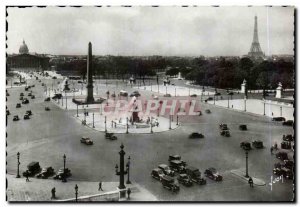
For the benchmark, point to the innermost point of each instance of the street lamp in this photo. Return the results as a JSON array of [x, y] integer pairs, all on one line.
[[245, 103], [126, 125], [76, 192], [64, 174], [177, 119], [121, 173], [264, 107], [66, 100], [280, 110], [151, 130], [77, 109], [128, 166], [214, 99], [228, 103], [170, 122], [18, 157], [84, 114], [246, 164], [105, 124], [93, 121]]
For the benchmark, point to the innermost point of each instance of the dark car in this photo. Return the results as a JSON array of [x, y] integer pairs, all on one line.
[[86, 140], [61, 173], [230, 93], [47, 108], [166, 169], [177, 165], [135, 93], [289, 164], [196, 135], [176, 157], [282, 155], [258, 144], [218, 94], [29, 112], [245, 145], [21, 98], [223, 127], [207, 111], [288, 123], [18, 105], [157, 173], [110, 136], [7, 112], [288, 137], [25, 101], [278, 119], [225, 133], [29, 94], [169, 183], [33, 168], [283, 171], [57, 96], [16, 118], [21, 94], [26, 116], [185, 180], [54, 77], [193, 95], [195, 175], [286, 145], [33, 97], [47, 99], [243, 127], [167, 95], [209, 99], [45, 173], [26, 88], [213, 174]]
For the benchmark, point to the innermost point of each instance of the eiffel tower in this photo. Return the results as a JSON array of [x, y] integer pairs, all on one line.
[[255, 50]]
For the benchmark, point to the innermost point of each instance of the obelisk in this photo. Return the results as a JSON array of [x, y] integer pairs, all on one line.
[[90, 95]]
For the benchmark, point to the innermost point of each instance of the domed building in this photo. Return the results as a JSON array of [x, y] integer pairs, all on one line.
[[27, 61]]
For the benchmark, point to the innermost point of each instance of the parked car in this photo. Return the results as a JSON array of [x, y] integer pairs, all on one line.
[[230, 93], [86, 140], [193, 95], [288, 137], [110, 136], [288, 123], [16, 118], [26, 116], [289, 164], [278, 119], [225, 133], [29, 94], [157, 173], [33, 168], [282, 155], [209, 99], [29, 112], [196, 135], [57, 96], [123, 93], [245, 145], [195, 175], [33, 97], [213, 174], [185, 180], [177, 165], [26, 88], [243, 127], [258, 144], [169, 183], [283, 171], [25, 101], [166, 169], [7, 112], [47, 99], [167, 95], [45, 173], [21, 98], [21, 94], [61, 173], [18, 105], [54, 77], [135, 93], [47, 108], [286, 145], [218, 94], [207, 111], [223, 127]]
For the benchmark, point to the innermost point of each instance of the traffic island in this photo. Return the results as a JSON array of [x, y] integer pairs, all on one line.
[[241, 174]]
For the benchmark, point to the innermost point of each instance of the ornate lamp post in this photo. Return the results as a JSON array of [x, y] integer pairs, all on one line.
[[127, 125], [170, 122], [177, 120], [151, 130], [264, 107], [121, 173], [245, 100], [76, 193], [228, 103], [93, 121], [128, 166], [18, 157], [77, 109], [84, 114], [246, 164], [280, 110], [105, 125], [66, 100], [64, 174]]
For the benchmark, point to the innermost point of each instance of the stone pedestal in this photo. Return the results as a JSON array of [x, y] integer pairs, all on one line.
[[279, 91], [122, 194]]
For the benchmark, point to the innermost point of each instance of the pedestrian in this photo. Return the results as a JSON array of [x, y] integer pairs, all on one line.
[[275, 146], [53, 193], [128, 193], [250, 181], [231, 106], [27, 176], [100, 186], [271, 150]]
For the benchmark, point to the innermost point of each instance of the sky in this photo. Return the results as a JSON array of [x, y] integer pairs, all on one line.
[[167, 31]]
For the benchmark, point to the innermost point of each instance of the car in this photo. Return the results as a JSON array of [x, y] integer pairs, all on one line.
[[225, 133], [18, 105], [278, 119], [283, 171], [21, 94], [43, 84], [29, 112], [207, 111], [21, 98], [16, 118], [230, 93], [25, 101], [195, 175], [135, 93], [258, 144], [223, 126], [45, 173], [174, 157], [282, 155], [288, 123], [177, 165], [243, 127], [47, 108], [7, 94], [289, 164], [57, 96], [110, 136], [167, 95], [26, 88], [26, 116], [157, 173], [185, 180], [196, 135], [32, 169], [47, 99], [288, 137], [193, 95], [29, 94], [123, 93], [210, 99], [245, 145], [33, 97], [169, 183], [166, 169], [86, 140], [61, 173], [213, 174], [7, 112], [286, 145]]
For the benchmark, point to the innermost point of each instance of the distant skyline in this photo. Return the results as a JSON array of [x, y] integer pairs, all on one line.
[[143, 31]]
